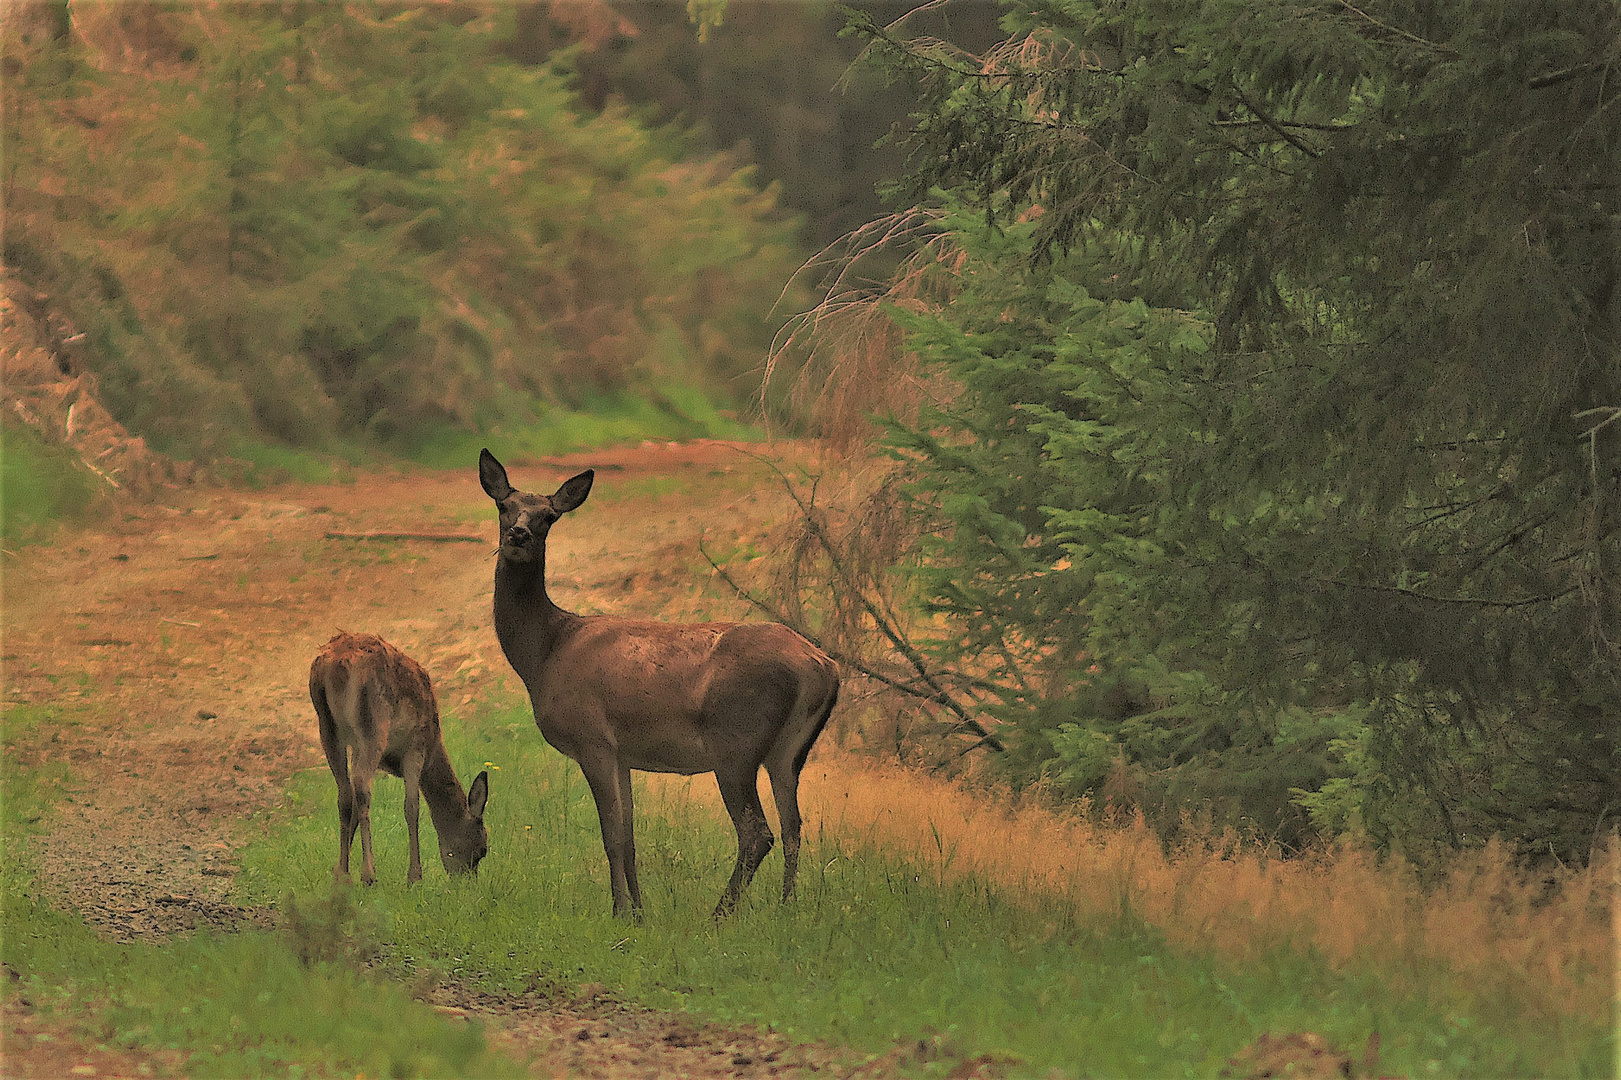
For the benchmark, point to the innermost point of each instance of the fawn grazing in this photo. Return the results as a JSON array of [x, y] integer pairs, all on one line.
[[377, 704], [620, 694]]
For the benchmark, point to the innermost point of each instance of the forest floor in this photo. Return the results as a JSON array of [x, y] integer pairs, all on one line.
[[178, 637]]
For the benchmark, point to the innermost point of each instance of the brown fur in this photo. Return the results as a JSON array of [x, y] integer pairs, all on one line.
[[376, 705], [620, 694]]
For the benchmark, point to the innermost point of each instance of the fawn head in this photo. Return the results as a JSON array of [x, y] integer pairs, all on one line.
[[525, 518], [463, 843]]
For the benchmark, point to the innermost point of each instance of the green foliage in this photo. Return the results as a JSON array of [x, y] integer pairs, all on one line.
[[39, 486], [706, 15], [663, 412], [1055, 477], [325, 227], [876, 950], [1374, 467], [235, 1005], [767, 82], [259, 464]]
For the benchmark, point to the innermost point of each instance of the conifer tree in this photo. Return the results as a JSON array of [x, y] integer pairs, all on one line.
[[1389, 486]]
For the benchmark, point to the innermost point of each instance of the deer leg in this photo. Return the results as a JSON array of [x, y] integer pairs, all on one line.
[[602, 773], [628, 803], [785, 790], [411, 771], [367, 759], [740, 790], [347, 820], [337, 759]]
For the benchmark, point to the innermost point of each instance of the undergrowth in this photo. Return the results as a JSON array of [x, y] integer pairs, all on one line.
[[880, 949], [671, 414], [40, 485], [668, 413], [234, 1005]]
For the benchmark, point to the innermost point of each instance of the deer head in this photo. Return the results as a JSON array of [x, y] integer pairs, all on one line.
[[462, 843], [526, 519]]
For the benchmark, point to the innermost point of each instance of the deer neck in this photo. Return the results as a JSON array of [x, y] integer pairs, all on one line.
[[447, 802], [527, 622]]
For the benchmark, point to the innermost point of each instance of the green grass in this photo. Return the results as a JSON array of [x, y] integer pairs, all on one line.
[[875, 951], [40, 485], [265, 464], [669, 413], [235, 1005]]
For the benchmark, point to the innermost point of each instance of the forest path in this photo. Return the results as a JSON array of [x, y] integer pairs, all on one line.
[[174, 641]]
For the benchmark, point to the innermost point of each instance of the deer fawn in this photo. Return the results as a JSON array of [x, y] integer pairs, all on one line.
[[376, 703], [620, 694]]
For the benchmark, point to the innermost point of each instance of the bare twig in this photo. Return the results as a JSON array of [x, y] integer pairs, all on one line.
[[854, 663], [440, 538], [1549, 78], [1614, 412], [880, 612], [1440, 50], [1431, 598], [1591, 435]]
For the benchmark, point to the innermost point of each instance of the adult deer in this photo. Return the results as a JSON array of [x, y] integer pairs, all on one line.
[[376, 704], [620, 694]]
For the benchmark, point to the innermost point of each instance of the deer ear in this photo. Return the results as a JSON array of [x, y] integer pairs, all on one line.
[[493, 475], [573, 492], [478, 795]]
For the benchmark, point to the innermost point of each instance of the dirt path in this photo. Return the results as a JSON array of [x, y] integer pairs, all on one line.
[[175, 640]]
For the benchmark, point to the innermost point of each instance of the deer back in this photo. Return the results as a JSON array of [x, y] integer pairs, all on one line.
[[673, 695], [377, 695]]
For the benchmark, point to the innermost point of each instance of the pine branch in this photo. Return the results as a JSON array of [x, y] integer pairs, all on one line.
[[1433, 599], [1509, 539], [1286, 136], [1307, 125], [1537, 82]]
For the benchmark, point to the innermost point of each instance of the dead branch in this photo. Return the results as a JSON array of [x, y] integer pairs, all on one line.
[[438, 538], [855, 663], [927, 686]]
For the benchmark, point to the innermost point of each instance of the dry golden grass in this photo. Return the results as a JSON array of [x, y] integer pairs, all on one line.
[[1552, 945]]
